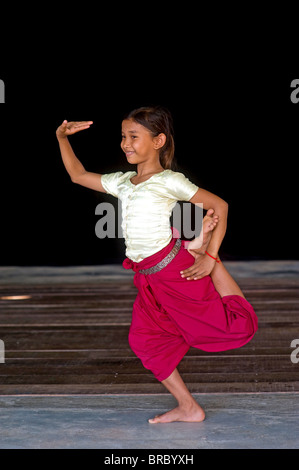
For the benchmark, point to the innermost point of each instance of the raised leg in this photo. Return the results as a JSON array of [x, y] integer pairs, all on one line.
[[224, 283], [222, 280]]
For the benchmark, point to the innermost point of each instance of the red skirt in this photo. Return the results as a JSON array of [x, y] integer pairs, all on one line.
[[171, 314]]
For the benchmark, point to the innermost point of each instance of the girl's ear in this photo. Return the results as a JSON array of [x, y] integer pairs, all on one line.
[[159, 141]]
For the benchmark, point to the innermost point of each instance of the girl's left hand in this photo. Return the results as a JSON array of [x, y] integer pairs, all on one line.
[[203, 266]]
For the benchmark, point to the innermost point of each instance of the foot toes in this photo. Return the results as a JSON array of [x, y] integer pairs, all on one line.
[[153, 420]]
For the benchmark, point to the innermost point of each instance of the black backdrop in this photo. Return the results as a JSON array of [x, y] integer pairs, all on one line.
[[235, 131]]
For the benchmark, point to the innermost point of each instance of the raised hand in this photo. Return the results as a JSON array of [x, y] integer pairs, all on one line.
[[69, 128]]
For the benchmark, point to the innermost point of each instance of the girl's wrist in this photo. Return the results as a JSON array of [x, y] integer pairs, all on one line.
[[213, 256], [211, 250], [60, 136]]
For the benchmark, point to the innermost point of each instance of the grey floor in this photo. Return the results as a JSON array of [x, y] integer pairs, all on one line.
[[233, 421]]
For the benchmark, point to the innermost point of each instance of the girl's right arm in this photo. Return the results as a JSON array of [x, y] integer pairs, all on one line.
[[73, 166]]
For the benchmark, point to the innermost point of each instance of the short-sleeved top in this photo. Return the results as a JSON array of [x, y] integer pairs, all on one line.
[[147, 207]]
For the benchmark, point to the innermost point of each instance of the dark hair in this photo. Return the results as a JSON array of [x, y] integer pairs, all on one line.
[[157, 120]]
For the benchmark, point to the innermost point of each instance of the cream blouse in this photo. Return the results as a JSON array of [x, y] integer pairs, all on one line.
[[147, 207]]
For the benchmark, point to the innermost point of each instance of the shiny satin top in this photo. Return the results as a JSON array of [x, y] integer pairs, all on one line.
[[147, 207]]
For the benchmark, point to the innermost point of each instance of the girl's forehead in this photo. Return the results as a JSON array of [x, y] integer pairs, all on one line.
[[129, 125]]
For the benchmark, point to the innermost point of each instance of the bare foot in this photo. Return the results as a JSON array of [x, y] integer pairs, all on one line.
[[209, 222], [190, 414]]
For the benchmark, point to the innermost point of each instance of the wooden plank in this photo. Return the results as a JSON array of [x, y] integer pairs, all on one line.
[[139, 378], [94, 337], [201, 365], [85, 318], [87, 354], [149, 388]]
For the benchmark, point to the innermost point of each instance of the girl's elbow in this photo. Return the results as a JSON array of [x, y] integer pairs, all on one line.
[[222, 207], [219, 205], [225, 205]]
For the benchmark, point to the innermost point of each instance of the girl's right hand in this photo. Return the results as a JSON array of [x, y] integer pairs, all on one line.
[[69, 128]]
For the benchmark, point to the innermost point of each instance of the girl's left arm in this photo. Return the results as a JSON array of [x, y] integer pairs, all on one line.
[[204, 264]]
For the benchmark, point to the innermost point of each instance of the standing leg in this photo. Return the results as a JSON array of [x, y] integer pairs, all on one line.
[[187, 410]]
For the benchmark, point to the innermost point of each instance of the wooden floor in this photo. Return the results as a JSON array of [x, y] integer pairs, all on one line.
[[72, 339]]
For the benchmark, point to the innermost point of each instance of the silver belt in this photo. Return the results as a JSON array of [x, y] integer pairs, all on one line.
[[162, 264]]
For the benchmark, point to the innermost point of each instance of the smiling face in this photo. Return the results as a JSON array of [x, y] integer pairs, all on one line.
[[138, 143]]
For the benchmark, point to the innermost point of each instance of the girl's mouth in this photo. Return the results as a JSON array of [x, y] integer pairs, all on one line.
[[129, 154]]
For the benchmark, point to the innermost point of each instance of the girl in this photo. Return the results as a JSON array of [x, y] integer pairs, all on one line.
[[185, 297]]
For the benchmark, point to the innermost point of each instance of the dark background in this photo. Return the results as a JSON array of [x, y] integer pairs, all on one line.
[[236, 133]]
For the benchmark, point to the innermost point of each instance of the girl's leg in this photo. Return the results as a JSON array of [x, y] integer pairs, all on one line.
[[222, 280], [187, 410], [224, 283]]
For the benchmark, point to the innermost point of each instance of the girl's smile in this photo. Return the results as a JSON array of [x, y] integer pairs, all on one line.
[[129, 154]]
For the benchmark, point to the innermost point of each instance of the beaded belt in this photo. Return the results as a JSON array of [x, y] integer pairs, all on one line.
[[162, 264]]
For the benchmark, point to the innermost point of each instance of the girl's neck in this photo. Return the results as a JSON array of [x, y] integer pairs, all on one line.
[[143, 170]]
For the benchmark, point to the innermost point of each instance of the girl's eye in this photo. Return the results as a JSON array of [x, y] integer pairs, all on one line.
[[132, 136]]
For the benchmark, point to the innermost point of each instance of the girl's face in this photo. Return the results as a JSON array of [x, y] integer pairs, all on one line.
[[138, 143]]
